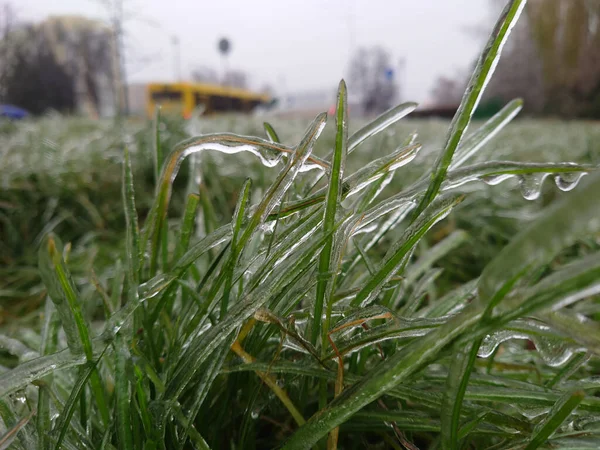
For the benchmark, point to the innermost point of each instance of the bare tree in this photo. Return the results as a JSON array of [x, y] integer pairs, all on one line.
[[371, 76], [553, 61]]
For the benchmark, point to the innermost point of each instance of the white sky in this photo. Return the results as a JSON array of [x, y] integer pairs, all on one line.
[[293, 45]]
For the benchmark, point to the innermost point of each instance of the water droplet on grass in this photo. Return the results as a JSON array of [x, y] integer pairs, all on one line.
[[568, 180], [531, 185]]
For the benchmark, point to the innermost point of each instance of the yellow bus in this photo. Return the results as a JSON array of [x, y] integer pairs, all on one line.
[[182, 98]]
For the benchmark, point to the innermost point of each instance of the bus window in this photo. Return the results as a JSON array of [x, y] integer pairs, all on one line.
[[166, 96]]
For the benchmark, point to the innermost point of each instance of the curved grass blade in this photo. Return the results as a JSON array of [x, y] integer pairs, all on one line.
[[382, 122], [486, 133], [483, 71], [274, 195], [557, 415], [396, 254], [334, 194], [269, 153]]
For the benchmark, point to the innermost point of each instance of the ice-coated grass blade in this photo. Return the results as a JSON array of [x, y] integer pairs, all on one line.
[[63, 293], [187, 225], [271, 134], [395, 256], [238, 217], [63, 421], [486, 132], [48, 346], [381, 379], [483, 71], [557, 415], [382, 122], [456, 385], [134, 259], [122, 396], [332, 206], [571, 218], [9, 436], [269, 153]]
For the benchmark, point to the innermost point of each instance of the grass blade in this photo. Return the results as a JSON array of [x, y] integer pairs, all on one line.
[[271, 134], [332, 207], [396, 254], [134, 258], [483, 71], [486, 133], [236, 250], [557, 415], [382, 122]]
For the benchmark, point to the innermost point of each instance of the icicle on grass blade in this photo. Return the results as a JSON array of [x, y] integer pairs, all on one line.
[[571, 218]]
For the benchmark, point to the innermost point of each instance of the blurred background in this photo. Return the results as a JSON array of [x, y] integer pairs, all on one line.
[[101, 58]]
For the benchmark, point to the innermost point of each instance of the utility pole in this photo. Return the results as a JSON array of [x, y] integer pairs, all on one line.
[[176, 57], [114, 9]]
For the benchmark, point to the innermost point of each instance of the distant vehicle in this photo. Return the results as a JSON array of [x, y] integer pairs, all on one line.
[[13, 112], [183, 98]]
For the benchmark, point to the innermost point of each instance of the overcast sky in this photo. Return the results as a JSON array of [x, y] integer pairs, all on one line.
[[293, 45]]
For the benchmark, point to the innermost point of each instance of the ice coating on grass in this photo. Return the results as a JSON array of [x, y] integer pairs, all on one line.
[[531, 185]]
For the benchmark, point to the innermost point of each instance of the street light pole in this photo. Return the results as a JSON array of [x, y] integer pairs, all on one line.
[[176, 57]]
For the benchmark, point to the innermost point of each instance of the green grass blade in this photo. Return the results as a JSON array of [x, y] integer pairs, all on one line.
[[236, 250], [48, 346], [63, 421], [134, 258], [435, 253], [332, 207], [199, 349], [157, 154], [271, 134], [395, 256], [187, 225], [486, 132], [483, 71], [63, 293], [382, 122], [557, 415], [381, 379], [122, 396], [456, 385]]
